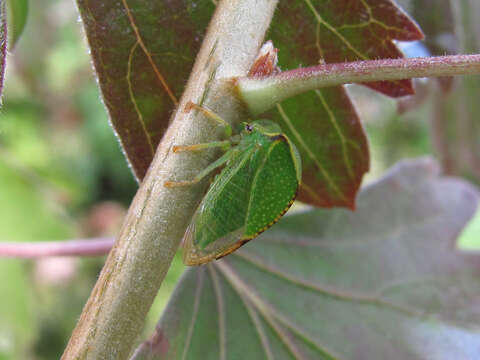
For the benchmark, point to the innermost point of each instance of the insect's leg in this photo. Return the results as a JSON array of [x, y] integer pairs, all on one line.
[[225, 145], [216, 164], [211, 115]]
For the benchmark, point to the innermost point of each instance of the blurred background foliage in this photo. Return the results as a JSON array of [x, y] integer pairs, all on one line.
[[63, 176]]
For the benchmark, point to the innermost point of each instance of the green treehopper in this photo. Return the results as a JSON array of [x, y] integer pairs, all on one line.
[[258, 184]]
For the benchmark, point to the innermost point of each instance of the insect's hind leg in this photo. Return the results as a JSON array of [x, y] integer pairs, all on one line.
[[216, 164], [211, 115]]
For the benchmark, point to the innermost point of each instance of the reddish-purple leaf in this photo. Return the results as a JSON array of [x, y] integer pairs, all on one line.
[[143, 52], [324, 124], [350, 30]]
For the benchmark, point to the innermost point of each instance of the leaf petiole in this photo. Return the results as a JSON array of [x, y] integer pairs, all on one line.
[[260, 94]]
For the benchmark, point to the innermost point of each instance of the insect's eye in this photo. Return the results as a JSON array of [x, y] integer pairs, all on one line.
[[248, 128]]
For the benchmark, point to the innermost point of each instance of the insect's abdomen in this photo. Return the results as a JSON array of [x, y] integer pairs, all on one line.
[[273, 190]]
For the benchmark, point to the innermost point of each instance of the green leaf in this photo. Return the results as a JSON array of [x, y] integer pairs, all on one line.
[[25, 218], [385, 282], [17, 19], [143, 52], [3, 44]]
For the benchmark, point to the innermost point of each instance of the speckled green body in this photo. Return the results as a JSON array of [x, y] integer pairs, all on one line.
[[255, 188]]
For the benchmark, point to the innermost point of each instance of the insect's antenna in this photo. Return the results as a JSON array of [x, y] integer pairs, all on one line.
[[209, 114]]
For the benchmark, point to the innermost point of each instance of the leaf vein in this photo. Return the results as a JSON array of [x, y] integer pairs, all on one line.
[[324, 290], [147, 53], [196, 306], [334, 31], [268, 312], [339, 132], [132, 97], [221, 312]]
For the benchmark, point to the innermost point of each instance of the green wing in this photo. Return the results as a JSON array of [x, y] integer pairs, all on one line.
[[219, 221], [250, 194]]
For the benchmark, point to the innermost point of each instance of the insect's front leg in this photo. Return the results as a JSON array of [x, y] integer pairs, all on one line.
[[225, 145], [216, 164], [211, 115]]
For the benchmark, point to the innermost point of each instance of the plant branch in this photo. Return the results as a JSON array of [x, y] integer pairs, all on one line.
[[158, 216], [260, 94], [80, 247]]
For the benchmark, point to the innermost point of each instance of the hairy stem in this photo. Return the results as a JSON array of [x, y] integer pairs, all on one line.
[[260, 94], [158, 216]]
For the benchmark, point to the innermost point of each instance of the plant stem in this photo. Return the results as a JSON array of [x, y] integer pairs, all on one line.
[[260, 94], [80, 247], [158, 216], [461, 106]]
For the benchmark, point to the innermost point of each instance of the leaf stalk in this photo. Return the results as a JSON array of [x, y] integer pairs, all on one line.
[[261, 94]]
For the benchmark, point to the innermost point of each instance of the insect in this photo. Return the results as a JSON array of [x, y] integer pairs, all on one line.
[[258, 184]]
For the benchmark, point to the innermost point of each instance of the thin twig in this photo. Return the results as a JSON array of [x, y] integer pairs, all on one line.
[[80, 247]]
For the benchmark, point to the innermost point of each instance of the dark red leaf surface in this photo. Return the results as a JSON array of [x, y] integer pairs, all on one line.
[[350, 30], [143, 52]]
